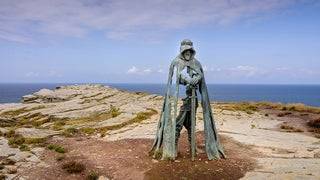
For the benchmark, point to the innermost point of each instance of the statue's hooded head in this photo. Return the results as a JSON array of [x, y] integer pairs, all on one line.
[[187, 51]]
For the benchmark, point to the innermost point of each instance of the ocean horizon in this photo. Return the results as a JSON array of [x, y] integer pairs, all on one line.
[[284, 93]]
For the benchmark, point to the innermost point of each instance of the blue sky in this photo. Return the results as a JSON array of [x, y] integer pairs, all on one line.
[[237, 41]]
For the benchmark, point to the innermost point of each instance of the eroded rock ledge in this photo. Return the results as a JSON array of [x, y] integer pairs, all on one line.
[[81, 106]]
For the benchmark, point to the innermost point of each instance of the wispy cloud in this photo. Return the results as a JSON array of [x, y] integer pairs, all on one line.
[[32, 74], [22, 21], [135, 70], [247, 71], [144, 71]]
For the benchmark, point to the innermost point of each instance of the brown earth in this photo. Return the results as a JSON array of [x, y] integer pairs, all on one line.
[[129, 159], [296, 120]]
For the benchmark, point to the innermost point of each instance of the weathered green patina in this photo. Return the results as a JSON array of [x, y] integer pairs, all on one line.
[[169, 125]]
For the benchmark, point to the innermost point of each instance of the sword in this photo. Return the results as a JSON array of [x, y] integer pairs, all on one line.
[[193, 124]]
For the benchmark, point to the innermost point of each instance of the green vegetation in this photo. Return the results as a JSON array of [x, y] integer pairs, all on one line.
[[114, 111], [35, 140], [69, 132], [56, 148], [13, 113], [141, 116], [250, 107], [87, 130], [16, 112], [24, 147], [58, 125], [16, 140], [97, 117], [156, 154], [247, 107], [73, 167], [10, 133]]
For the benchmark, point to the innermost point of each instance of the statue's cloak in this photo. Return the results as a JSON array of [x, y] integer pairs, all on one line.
[[164, 143]]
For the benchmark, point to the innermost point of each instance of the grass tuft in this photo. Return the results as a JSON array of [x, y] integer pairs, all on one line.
[[87, 130], [16, 140], [35, 140], [10, 133], [24, 147], [249, 108], [70, 132], [289, 128], [114, 111], [56, 148], [58, 125], [73, 167]]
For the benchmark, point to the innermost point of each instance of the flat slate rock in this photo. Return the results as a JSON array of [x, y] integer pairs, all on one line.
[[35, 133]]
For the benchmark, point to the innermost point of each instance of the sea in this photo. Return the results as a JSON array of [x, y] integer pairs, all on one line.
[[306, 94]]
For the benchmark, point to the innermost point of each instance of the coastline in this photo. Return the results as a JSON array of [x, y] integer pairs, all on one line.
[[61, 123], [306, 94]]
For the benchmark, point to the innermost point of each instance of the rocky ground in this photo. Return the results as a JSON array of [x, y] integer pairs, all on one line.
[[93, 131]]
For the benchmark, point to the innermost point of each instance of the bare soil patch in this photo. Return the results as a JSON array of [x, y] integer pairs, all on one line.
[[129, 159], [294, 121]]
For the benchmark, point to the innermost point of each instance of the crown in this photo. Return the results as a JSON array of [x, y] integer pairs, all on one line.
[[186, 42]]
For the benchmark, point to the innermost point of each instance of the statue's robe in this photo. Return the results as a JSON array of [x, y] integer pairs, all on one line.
[[164, 143]]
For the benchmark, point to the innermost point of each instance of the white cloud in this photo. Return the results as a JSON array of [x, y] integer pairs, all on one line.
[[32, 74], [282, 69], [160, 70], [144, 71], [205, 68], [23, 20], [147, 71], [133, 70], [246, 70]]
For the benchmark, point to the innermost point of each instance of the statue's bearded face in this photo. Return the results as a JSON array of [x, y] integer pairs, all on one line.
[[187, 55]]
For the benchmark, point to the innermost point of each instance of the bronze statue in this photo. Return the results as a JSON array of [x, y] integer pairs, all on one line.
[[185, 70]]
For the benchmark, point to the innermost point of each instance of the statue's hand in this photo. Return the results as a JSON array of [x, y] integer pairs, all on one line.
[[184, 80], [195, 80]]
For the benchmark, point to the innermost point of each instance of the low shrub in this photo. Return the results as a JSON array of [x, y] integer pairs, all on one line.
[[73, 167], [24, 147], [315, 123], [284, 114], [70, 132], [289, 128]]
